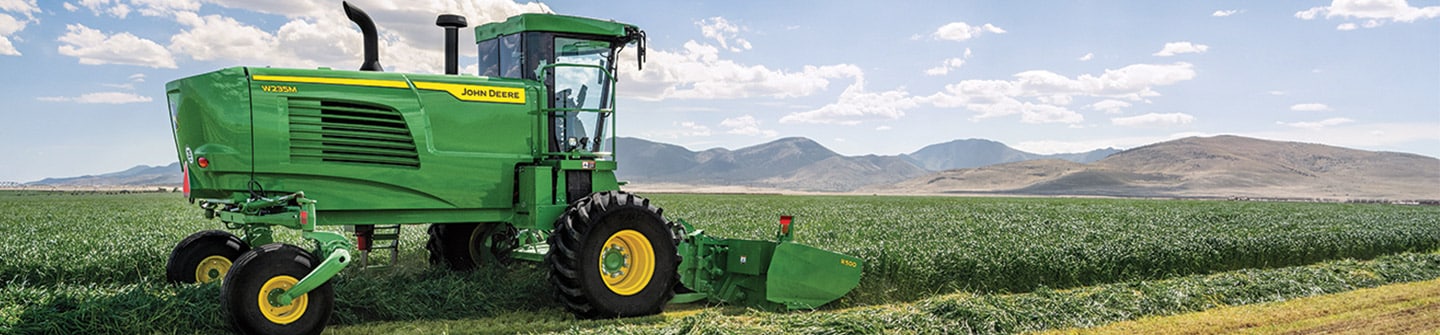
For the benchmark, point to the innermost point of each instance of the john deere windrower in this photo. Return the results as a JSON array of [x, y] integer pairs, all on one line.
[[515, 163]]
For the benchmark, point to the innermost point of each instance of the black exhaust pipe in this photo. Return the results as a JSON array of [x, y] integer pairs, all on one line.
[[452, 24], [367, 28]]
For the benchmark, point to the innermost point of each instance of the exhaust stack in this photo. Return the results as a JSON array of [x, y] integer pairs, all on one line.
[[367, 28], [452, 24]]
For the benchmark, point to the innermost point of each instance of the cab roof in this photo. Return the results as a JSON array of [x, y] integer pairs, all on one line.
[[551, 23]]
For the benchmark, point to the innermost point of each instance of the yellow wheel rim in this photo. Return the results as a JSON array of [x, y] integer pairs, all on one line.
[[281, 314], [627, 260], [212, 268]]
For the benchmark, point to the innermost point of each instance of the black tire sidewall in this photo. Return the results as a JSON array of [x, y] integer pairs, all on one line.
[[648, 300], [187, 255], [242, 285], [452, 242]]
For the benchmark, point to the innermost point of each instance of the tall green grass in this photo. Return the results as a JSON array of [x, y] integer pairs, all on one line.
[[94, 263], [920, 246]]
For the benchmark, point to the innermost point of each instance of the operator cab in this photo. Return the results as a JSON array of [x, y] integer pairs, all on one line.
[[575, 58]]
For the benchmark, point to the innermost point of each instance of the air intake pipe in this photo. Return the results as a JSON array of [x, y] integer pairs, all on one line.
[[452, 24], [367, 28]]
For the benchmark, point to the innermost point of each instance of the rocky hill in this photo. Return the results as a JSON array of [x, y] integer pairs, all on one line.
[[140, 175], [793, 163], [1204, 166], [969, 153]]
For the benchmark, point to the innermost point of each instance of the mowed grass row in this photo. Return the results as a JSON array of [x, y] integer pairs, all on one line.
[[1042, 309], [95, 263], [920, 246]]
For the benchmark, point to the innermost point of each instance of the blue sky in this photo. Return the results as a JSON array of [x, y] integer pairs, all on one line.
[[84, 79]]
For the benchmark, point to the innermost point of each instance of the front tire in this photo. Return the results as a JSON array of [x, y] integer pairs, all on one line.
[[263, 271], [613, 255], [204, 257]]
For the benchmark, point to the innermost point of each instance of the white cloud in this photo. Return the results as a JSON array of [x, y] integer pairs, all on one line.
[[1087, 57], [133, 79], [70, 7], [100, 98], [698, 72], [1153, 120], [1318, 124], [1224, 13], [116, 8], [746, 125], [215, 37], [724, 33], [24, 7], [1175, 48], [8, 27], [318, 33], [1032, 113], [684, 129], [165, 7], [1109, 106], [93, 47], [1038, 95], [883, 128], [1276, 93], [1370, 135], [856, 105], [945, 67], [1310, 107], [960, 31], [1374, 12]]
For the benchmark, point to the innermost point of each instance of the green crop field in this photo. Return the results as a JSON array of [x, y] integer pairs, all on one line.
[[94, 263]]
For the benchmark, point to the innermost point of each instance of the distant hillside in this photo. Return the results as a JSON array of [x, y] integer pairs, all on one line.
[[1204, 166], [1219, 166], [141, 175], [789, 163], [969, 153]]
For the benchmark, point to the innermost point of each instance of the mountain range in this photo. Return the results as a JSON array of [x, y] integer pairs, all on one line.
[[1217, 166], [140, 175], [797, 163]]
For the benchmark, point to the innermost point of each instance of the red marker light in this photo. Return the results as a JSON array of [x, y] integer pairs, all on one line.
[[785, 224], [204, 163], [186, 182]]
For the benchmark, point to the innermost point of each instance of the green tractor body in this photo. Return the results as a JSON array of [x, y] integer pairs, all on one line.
[[514, 163]]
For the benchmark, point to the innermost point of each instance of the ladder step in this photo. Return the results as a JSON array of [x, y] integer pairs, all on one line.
[[382, 238]]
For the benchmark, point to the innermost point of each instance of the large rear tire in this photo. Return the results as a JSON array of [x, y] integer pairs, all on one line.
[[612, 254], [469, 246], [266, 270], [204, 257]]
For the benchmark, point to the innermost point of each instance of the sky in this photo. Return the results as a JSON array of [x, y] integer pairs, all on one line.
[[83, 80]]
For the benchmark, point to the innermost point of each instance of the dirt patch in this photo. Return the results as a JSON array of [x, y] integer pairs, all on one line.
[[1415, 320]]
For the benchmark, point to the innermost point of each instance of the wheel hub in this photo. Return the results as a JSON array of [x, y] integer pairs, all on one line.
[[212, 268], [615, 261], [626, 262], [271, 290]]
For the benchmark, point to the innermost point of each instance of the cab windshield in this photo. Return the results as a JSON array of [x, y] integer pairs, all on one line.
[[581, 93]]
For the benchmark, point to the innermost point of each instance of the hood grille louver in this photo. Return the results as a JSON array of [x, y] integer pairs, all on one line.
[[342, 132]]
